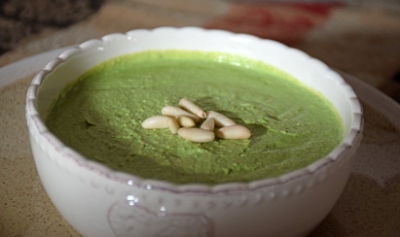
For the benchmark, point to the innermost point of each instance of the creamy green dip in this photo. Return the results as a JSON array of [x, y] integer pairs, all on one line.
[[100, 116]]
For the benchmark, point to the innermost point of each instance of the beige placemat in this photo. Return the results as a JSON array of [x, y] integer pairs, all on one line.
[[25, 209]]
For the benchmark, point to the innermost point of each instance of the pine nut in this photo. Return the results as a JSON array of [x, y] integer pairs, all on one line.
[[158, 121], [208, 124], [185, 121], [176, 112], [234, 132], [196, 134], [173, 126], [192, 108], [220, 120]]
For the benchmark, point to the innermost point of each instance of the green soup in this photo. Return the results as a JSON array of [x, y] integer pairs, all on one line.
[[100, 115]]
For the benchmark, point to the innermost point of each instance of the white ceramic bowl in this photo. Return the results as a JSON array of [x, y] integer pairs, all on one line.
[[98, 201]]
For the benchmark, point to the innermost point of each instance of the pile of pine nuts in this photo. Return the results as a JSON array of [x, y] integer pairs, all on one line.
[[182, 121]]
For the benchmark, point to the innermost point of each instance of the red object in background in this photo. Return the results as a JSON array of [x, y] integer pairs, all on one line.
[[284, 22]]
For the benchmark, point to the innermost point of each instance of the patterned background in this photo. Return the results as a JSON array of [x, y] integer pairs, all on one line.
[[360, 37]]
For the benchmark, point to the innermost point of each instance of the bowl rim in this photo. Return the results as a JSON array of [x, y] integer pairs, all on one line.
[[351, 139]]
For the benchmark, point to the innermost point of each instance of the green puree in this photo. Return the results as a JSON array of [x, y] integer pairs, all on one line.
[[100, 116]]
